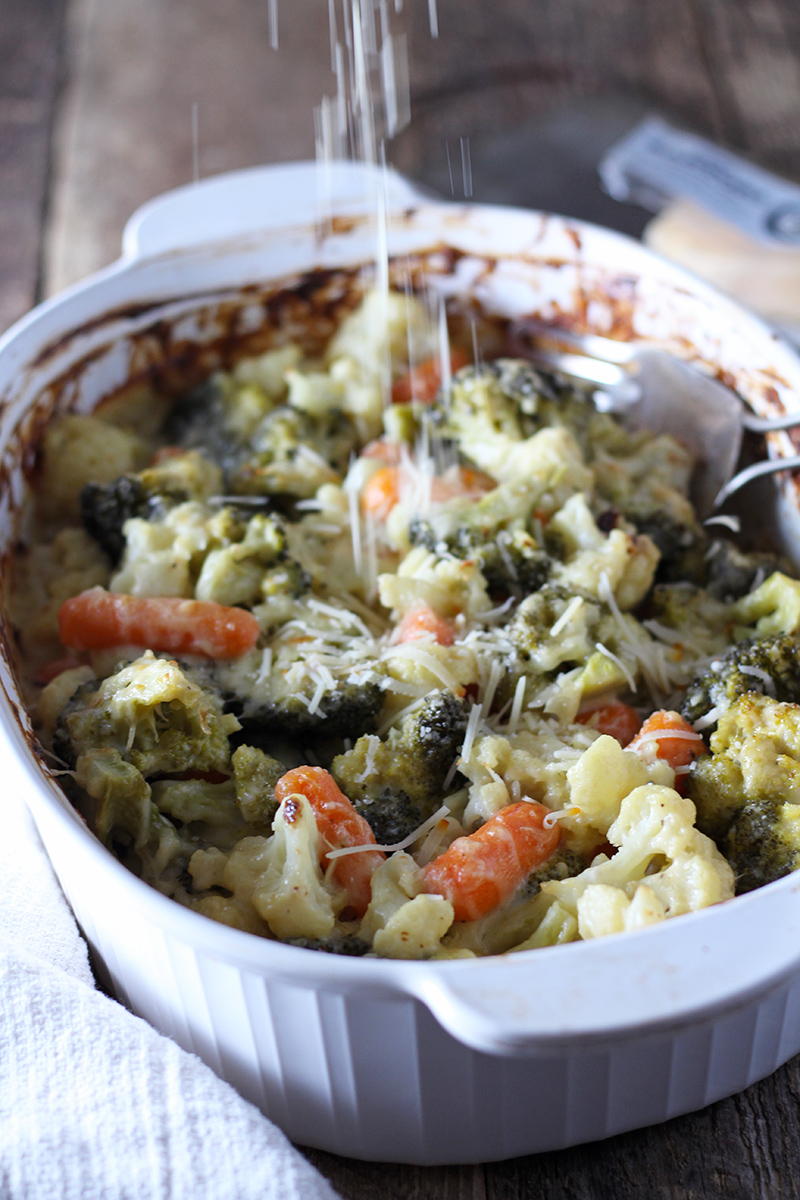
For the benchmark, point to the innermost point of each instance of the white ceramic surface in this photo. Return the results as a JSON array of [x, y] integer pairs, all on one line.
[[421, 1062]]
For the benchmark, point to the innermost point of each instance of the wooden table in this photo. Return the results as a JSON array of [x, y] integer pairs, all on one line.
[[96, 103]]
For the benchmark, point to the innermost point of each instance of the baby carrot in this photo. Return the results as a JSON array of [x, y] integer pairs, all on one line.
[[385, 450], [422, 620], [675, 740], [461, 481], [381, 492], [618, 720], [99, 620], [339, 825], [423, 382], [478, 872]]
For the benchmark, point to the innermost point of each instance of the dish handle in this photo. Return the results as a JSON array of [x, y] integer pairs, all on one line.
[[665, 977], [246, 203]]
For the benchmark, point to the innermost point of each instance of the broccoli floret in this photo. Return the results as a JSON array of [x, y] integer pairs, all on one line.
[[564, 864], [282, 465], [343, 711], [198, 420], [349, 944], [256, 774], [731, 573], [154, 715], [511, 396], [768, 665], [510, 562], [392, 815], [530, 628], [127, 819], [763, 843], [396, 783], [681, 544], [105, 507], [740, 790]]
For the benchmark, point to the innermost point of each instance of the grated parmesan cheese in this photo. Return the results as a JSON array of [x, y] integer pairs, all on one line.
[[516, 707], [711, 716], [444, 811], [766, 679], [415, 653], [472, 728], [613, 657]]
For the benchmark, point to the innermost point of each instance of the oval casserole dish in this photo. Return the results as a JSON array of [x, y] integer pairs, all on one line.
[[438, 1062]]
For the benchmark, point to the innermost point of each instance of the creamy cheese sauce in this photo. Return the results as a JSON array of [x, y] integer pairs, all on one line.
[[377, 656]]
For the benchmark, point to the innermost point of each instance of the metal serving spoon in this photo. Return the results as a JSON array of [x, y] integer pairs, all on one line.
[[649, 389]]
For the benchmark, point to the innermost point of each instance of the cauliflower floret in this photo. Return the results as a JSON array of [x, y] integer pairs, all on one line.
[[627, 560], [655, 825], [605, 909], [383, 329], [772, 608], [394, 883], [400, 922], [416, 929], [599, 782], [314, 392], [78, 450], [268, 371], [425, 664], [288, 890], [448, 585], [551, 457], [535, 761], [362, 397], [45, 577], [159, 554], [196, 551]]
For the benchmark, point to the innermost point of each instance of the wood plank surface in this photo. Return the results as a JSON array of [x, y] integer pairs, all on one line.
[[30, 57], [138, 68], [526, 83]]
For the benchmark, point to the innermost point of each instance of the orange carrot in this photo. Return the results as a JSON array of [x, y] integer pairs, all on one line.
[[461, 481], [99, 620], [478, 872], [422, 620], [381, 492], [423, 382], [675, 740], [339, 825], [384, 450], [618, 720]]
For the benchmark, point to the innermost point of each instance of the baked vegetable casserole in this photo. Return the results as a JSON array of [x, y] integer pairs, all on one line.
[[454, 675]]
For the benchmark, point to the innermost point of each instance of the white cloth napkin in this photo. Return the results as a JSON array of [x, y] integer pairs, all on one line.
[[94, 1104]]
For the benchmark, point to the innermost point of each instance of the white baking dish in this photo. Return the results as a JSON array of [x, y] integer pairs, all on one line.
[[455, 1061]]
